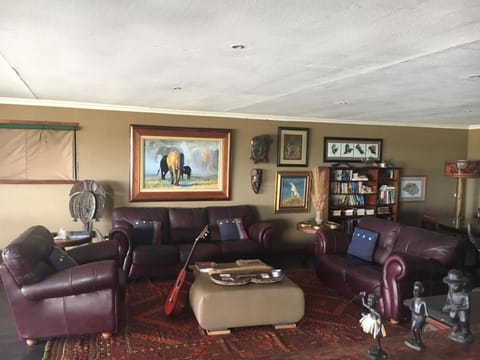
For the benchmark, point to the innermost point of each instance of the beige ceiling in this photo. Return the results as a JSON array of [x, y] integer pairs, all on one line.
[[364, 61]]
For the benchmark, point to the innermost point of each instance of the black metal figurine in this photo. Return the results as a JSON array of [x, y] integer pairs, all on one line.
[[458, 307], [372, 323], [418, 307]]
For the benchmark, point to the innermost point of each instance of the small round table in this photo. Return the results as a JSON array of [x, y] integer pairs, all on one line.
[[68, 241]]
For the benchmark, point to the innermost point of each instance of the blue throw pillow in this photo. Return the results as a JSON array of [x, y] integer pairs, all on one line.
[[363, 244], [60, 259], [147, 232], [232, 229]]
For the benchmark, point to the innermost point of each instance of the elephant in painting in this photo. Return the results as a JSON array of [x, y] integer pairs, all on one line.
[[175, 166], [163, 169]]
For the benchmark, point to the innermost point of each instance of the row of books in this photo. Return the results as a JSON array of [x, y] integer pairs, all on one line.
[[386, 194], [356, 200], [381, 210], [347, 175], [352, 212], [358, 187]]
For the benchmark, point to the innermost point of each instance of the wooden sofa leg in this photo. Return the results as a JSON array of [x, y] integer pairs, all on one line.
[[31, 342], [106, 335]]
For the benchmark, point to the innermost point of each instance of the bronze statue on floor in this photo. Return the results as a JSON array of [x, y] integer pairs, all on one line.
[[372, 323], [458, 307], [418, 307]]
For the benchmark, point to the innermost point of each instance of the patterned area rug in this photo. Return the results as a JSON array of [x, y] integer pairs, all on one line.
[[146, 333]]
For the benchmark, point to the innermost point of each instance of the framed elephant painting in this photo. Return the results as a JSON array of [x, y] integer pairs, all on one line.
[[174, 163]]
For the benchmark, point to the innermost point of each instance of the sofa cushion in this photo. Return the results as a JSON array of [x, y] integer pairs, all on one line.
[[233, 250], [204, 251], [147, 232], [432, 245], [60, 260], [156, 255], [363, 244], [186, 224], [388, 233], [364, 277], [232, 229]]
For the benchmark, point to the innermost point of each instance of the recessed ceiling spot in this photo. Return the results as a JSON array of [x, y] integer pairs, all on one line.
[[238, 46]]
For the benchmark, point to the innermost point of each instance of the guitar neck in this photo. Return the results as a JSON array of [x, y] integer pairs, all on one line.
[[200, 236]]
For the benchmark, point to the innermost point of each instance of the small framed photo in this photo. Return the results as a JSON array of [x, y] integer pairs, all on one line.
[[292, 146], [292, 191], [412, 188], [352, 150]]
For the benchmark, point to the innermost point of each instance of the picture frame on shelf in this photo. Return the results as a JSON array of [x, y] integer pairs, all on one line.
[[201, 155], [344, 149], [412, 188], [293, 191], [292, 146]]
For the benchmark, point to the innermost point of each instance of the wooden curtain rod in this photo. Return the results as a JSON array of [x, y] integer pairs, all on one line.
[[37, 124]]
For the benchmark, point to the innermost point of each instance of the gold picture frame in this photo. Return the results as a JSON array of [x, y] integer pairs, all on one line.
[[199, 157], [292, 191]]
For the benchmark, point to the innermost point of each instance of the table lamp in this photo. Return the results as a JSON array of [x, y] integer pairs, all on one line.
[[461, 169]]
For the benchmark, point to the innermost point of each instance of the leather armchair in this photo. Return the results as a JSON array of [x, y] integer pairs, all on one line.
[[45, 302]]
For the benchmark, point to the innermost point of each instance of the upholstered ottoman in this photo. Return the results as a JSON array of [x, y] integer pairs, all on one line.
[[218, 308]]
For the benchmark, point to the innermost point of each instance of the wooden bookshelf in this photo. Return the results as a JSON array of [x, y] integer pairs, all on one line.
[[354, 192]]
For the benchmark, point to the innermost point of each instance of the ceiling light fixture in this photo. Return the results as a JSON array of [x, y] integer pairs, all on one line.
[[176, 88], [238, 46], [474, 76]]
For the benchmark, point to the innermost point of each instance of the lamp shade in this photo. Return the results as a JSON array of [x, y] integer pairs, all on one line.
[[462, 168]]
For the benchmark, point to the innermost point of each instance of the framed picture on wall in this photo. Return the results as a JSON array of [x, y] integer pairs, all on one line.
[[292, 191], [352, 150], [173, 163], [292, 146], [413, 188]]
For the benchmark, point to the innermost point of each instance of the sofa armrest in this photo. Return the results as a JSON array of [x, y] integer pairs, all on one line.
[[400, 271], [330, 242], [76, 280], [261, 233], [102, 250], [123, 237]]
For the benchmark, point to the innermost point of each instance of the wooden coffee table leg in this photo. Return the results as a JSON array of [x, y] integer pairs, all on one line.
[[218, 332]]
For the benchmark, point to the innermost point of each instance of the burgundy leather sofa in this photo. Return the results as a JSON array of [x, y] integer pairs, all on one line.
[[403, 255], [176, 230], [46, 302]]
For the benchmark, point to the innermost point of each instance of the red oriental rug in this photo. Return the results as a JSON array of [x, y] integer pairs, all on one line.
[[146, 333]]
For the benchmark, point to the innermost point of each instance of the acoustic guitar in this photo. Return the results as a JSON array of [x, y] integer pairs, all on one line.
[[177, 296]]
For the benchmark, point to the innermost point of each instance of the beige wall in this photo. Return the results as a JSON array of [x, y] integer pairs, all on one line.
[[103, 155]]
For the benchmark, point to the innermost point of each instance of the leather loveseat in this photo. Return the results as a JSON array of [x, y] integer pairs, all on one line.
[[172, 232], [403, 255], [49, 298]]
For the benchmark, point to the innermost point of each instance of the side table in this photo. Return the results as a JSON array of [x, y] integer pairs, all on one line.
[[71, 239]]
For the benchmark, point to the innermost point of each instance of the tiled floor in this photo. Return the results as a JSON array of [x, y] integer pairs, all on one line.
[[11, 347]]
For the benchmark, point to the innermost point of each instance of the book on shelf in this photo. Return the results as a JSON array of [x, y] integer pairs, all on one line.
[[205, 266]]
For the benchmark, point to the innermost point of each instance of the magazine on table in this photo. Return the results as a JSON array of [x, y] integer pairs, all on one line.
[[205, 266]]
